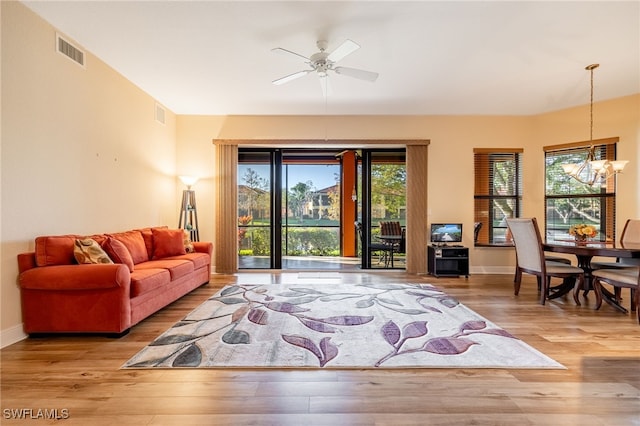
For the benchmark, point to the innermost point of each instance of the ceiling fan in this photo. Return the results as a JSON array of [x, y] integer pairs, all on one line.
[[322, 62]]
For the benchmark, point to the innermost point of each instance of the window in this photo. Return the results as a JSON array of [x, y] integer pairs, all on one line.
[[568, 201], [497, 194]]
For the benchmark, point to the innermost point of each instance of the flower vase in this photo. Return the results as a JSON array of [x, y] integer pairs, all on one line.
[[581, 239]]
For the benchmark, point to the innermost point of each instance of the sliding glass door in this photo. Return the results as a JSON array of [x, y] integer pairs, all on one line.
[[256, 214], [383, 174], [289, 208]]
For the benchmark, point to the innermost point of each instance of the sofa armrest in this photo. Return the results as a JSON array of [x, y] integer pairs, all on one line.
[[26, 261], [76, 277], [203, 247]]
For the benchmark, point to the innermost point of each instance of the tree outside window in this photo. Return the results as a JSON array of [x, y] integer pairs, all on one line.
[[569, 202]]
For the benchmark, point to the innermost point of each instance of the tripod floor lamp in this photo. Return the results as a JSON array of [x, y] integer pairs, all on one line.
[[188, 212]]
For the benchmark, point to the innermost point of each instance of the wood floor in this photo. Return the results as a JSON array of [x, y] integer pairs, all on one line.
[[79, 376]]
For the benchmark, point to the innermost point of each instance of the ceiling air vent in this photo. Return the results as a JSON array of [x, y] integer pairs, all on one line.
[[65, 47], [159, 113]]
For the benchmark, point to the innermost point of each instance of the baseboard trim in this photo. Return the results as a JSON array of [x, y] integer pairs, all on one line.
[[488, 270], [11, 335]]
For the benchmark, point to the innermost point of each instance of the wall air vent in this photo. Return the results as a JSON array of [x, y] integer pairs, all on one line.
[[159, 113], [67, 49]]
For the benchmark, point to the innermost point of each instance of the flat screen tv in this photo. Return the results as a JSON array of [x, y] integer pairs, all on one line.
[[446, 233]]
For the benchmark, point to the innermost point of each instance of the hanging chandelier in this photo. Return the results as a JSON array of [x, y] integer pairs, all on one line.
[[591, 171]]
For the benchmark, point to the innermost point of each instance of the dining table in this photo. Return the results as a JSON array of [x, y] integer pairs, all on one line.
[[585, 251]]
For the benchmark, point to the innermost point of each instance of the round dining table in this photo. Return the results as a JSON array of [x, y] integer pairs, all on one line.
[[587, 250]]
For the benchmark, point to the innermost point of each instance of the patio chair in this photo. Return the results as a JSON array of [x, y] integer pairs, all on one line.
[[383, 250], [394, 229], [530, 259]]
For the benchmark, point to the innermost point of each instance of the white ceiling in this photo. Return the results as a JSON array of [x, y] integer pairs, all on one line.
[[453, 57]]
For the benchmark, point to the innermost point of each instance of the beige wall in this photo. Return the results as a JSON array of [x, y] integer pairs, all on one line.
[[618, 117], [81, 152], [450, 174]]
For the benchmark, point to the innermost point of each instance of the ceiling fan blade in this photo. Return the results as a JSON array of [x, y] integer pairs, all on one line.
[[353, 72], [289, 52], [290, 77], [346, 48]]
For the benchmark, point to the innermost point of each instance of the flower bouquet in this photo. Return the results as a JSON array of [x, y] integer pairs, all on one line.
[[581, 231]]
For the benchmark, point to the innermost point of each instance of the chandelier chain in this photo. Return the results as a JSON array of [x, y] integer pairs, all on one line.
[[593, 171], [591, 68]]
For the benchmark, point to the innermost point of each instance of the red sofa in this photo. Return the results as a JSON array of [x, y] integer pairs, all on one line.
[[151, 268]]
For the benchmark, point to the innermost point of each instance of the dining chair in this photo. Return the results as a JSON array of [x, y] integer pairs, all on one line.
[[630, 235], [383, 250], [530, 259], [393, 228], [619, 278], [477, 226], [547, 258]]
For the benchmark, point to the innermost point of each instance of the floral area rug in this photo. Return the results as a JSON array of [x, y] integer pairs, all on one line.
[[336, 326]]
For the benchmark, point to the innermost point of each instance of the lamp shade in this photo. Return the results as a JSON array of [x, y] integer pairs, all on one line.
[[189, 180], [618, 165]]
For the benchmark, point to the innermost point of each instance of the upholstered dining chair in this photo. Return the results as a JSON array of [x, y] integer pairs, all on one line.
[[630, 235], [530, 259], [619, 278]]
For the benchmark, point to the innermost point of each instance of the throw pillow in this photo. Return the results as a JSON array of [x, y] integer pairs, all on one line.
[[168, 242], [55, 250], [147, 235], [87, 251], [118, 252], [188, 244], [135, 244]]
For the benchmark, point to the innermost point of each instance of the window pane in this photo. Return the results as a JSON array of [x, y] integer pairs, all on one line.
[[560, 183], [254, 211], [498, 194], [569, 202], [388, 192]]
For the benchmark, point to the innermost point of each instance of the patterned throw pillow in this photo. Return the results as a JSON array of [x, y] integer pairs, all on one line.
[[188, 244], [88, 251]]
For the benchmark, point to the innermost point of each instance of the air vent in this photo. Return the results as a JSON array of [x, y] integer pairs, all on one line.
[[159, 113], [67, 49]]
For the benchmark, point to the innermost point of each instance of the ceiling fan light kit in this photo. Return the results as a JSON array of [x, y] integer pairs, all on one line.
[[323, 62]]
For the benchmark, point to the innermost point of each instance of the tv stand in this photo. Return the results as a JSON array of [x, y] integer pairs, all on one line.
[[448, 261]]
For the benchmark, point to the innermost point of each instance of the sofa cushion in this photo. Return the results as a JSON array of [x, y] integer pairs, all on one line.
[[135, 244], [87, 250], [199, 260], [176, 267], [55, 250], [167, 242], [147, 235], [144, 280], [118, 252]]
